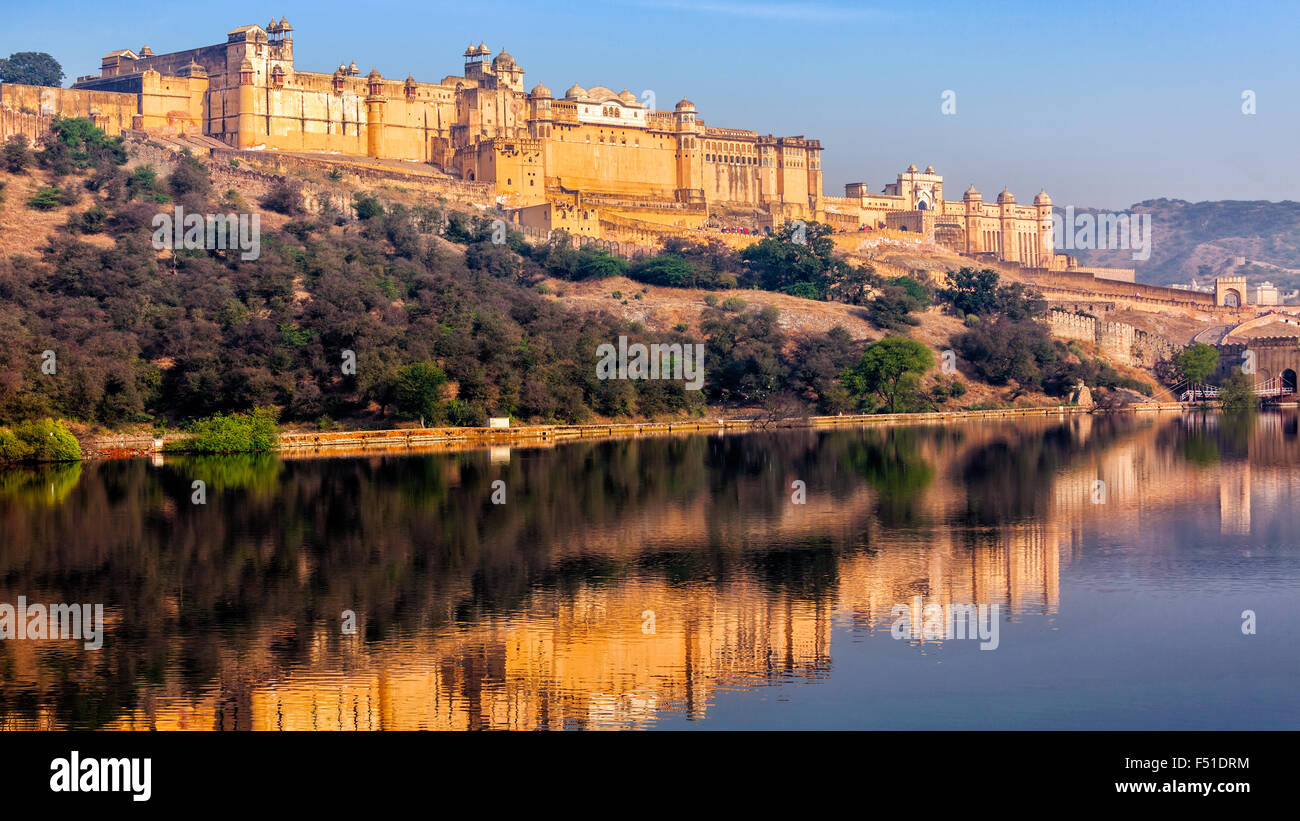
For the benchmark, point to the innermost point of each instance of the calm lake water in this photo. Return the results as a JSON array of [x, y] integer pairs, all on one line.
[[674, 583]]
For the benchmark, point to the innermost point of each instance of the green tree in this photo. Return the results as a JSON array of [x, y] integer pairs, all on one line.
[[419, 391], [31, 68], [1197, 362], [595, 264], [1238, 392], [971, 291], [798, 260], [890, 369], [668, 269], [975, 292]]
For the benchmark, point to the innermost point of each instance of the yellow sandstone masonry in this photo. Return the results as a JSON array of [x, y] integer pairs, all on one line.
[[592, 162]]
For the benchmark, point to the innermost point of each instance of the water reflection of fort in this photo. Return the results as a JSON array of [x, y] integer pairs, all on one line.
[[583, 655]]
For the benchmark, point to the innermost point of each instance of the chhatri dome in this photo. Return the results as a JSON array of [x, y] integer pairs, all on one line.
[[504, 62]]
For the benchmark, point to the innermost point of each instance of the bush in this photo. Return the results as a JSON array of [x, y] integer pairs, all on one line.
[[43, 441], [675, 271], [50, 197], [1238, 392], [367, 206], [91, 221], [893, 306], [16, 156], [236, 433], [465, 415], [594, 264], [189, 177], [285, 197], [142, 183]]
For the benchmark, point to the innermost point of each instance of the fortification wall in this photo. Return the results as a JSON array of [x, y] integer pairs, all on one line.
[[1119, 340], [1084, 280], [276, 165], [34, 107], [26, 124], [256, 174]]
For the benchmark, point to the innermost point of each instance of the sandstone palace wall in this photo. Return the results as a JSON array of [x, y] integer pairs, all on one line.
[[588, 160]]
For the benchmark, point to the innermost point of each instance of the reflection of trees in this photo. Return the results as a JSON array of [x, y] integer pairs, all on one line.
[[252, 472], [1207, 438], [893, 466], [1238, 428], [413, 543], [1198, 447], [39, 485], [1010, 479]]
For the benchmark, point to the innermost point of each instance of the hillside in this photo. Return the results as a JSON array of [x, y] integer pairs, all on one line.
[[1257, 239], [444, 325]]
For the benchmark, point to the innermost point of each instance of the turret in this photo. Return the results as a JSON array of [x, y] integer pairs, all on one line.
[[375, 104], [247, 105], [690, 169], [1046, 232], [540, 100]]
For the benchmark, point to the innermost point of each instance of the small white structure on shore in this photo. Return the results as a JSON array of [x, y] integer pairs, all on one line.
[[499, 422]]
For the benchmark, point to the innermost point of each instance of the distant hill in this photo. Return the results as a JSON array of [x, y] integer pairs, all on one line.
[[1258, 239]]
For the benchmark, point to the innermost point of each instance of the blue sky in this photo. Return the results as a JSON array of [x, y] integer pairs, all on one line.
[[1103, 104]]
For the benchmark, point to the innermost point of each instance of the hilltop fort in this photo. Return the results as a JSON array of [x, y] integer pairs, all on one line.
[[592, 162], [602, 166]]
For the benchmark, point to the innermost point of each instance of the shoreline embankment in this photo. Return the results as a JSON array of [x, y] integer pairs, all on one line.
[[305, 444]]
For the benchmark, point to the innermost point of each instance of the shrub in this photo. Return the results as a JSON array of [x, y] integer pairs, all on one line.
[[285, 197], [46, 199], [142, 183], [598, 265], [1238, 392], [189, 177], [16, 156], [91, 221], [804, 290], [236, 433], [975, 292], [43, 441], [464, 415], [893, 306], [367, 206]]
